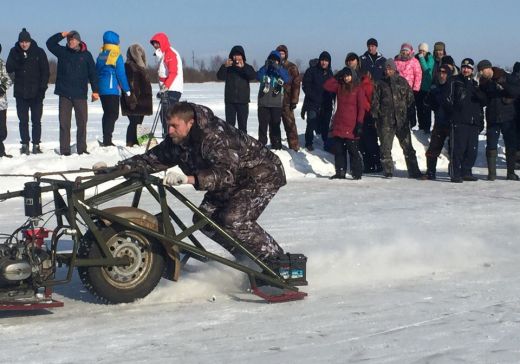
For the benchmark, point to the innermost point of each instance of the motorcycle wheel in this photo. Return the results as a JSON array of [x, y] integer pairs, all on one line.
[[123, 284]]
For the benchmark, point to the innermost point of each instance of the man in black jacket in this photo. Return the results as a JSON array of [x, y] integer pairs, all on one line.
[[318, 102], [372, 61], [501, 90], [30, 66], [76, 68], [237, 74], [466, 102]]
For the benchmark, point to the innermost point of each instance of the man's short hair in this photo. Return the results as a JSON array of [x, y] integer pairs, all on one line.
[[182, 110]]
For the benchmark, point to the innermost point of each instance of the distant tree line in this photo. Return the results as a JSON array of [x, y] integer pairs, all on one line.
[[199, 72]]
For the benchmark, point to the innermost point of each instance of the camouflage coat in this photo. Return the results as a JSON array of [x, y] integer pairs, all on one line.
[[5, 83], [218, 155], [391, 101], [240, 175]]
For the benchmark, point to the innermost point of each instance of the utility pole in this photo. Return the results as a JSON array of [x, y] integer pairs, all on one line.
[[193, 59]]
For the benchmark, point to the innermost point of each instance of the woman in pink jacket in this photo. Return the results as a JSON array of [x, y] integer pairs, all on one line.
[[409, 67], [347, 123]]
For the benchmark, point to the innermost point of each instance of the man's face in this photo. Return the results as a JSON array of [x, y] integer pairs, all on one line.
[[178, 129], [24, 45], [372, 49], [466, 71], [324, 64], [283, 55], [389, 71], [439, 53], [156, 45], [486, 73], [443, 76], [237, 58], [73, 43]]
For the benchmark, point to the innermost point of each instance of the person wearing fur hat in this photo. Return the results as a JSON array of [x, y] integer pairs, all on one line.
[[318, 102], [410, 69], [501, 90], [30, 66], [466, 102], [439, 51], [5, 83], [237, 75], [347, 124], [76, 69], [140, 102], [110, 68], [272, 77], [390, 106], [171, 77], [424, 113], [290, 98]]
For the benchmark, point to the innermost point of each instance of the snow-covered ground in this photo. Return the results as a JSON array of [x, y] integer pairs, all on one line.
[[399, 271]]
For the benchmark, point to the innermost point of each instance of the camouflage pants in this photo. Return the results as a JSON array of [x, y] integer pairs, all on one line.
[[289, 124], [386, 135], [236, 212]]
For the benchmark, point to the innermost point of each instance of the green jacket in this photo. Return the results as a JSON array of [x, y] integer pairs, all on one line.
[[426, 63]]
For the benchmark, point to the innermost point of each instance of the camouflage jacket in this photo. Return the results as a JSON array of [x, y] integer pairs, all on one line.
[[221, 157], [391, 101], [5, 83]]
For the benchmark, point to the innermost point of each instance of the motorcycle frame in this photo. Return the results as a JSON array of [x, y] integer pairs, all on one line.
[[75, 208]]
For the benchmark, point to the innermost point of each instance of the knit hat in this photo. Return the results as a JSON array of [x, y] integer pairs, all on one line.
[[483, 65], [406, 46], [24, 36], [73, 34], [350, 57], [372, 41], [390, 64], [448, 60], [423, 47], [516, 67], [467, 62], [325, 56], [439, 46]]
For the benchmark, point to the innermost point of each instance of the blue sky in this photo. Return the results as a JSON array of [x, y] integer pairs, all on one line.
[[477, 29]]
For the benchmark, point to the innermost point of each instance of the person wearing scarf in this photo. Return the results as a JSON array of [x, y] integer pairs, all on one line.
[[112, 78]]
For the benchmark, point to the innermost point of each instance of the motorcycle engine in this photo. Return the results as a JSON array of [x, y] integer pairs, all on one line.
[[26, 260]]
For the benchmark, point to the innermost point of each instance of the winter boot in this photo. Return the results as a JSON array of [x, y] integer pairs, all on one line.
[[510, 161], [491, 156], [413, 169], [340, 174], [25, 149], [431, 165], [517, 159], [36, 149]]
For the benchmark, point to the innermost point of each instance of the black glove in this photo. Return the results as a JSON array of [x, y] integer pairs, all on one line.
[[160, 95], [292, 106], [358, 129], [131, 101]]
